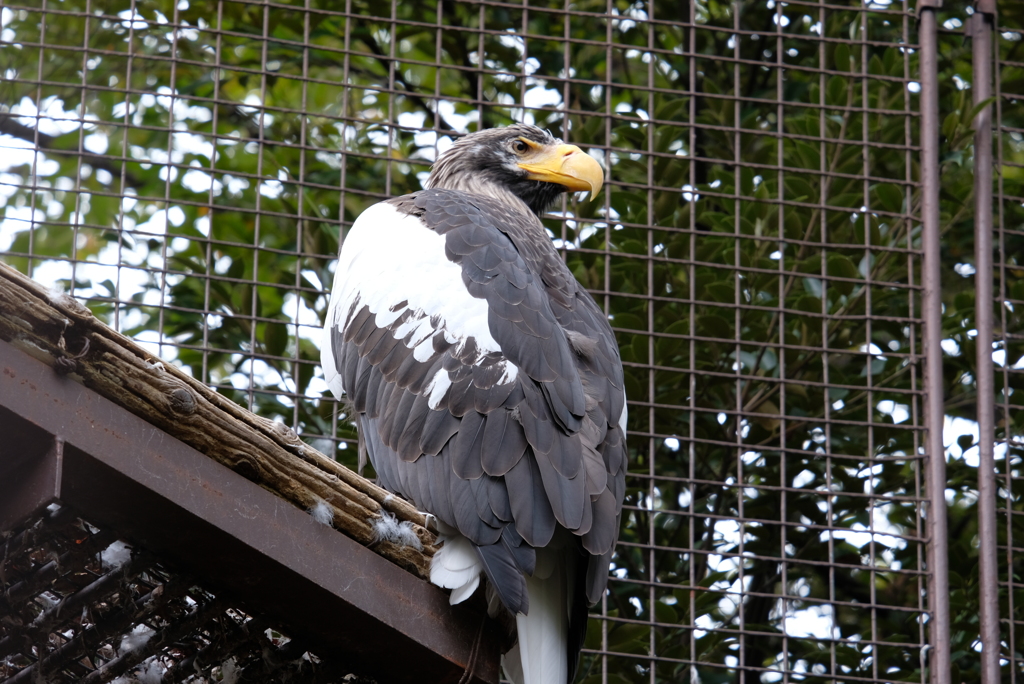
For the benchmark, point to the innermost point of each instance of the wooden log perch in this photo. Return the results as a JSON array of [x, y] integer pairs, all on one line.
[[63, 333]]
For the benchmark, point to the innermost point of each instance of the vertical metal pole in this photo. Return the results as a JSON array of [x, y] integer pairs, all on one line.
[[938, 547], [980, 28]]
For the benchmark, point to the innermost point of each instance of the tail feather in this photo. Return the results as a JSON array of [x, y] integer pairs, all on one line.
[[579, 612], [512, 665], [544, 631]]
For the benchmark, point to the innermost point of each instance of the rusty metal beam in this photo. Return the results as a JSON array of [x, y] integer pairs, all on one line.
[[30, 469], [64, 441]]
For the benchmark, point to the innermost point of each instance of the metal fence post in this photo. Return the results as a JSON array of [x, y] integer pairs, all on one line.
[[938, 561], [979, 29]]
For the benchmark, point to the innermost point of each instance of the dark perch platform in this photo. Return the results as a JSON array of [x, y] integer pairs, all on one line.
[[227, 575]]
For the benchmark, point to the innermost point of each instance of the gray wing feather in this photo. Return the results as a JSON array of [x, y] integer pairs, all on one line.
[[504, 443], [530, 505], [468, 514], [497, 498], [438, 428], [466, 447], [408, 447], [506, 575]]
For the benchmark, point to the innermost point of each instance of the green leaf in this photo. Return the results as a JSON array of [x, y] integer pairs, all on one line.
[[276, 339], [890, 196], [811, 264], [712, 325], [809, 155], [893, 62], [799, 190], [836, 91], [978, 107], [842, 58], [964, 302], [950, 124], [875, 66], [670, 110], [628, 638], [629, 321], [841, 266], [721, 291], [808, 303], [665, 614], [236, 269]]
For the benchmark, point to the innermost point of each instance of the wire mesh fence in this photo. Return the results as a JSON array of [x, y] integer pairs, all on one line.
[[1007, 304], [119, 611], [189, 169]]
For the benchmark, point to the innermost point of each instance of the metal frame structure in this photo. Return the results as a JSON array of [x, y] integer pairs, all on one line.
[[783, 249], [980, 29], [938, 563], [65, 444], [998, 225]]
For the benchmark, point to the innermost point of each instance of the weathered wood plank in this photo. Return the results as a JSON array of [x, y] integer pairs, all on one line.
[[62, 332]]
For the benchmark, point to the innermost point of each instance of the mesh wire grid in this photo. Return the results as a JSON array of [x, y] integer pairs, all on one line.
[[81, 605], [1008, 293], [189, 169]]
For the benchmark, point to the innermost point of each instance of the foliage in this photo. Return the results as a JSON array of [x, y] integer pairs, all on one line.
[[202, 160]]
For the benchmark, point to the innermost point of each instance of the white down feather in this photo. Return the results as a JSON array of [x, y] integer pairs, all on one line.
[[456, 565]]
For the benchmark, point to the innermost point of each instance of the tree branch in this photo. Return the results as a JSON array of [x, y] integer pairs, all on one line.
[[410, 93], [9, 125]]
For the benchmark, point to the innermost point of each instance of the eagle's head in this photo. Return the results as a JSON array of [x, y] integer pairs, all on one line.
[[521, 160]]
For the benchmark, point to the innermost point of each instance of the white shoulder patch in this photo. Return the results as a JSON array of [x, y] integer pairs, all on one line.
[[394, 264]]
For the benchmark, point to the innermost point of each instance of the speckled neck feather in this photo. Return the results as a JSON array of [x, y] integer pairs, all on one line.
[[482, 164]]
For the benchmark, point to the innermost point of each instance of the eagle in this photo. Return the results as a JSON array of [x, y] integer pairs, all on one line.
[[486, 385]]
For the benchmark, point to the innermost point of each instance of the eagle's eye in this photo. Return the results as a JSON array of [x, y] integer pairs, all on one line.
[[520, 146]]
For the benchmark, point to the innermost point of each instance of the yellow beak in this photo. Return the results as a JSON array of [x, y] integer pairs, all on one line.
[[566, 165]]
